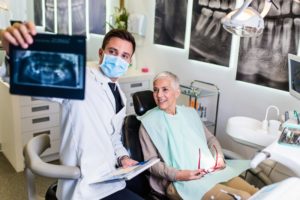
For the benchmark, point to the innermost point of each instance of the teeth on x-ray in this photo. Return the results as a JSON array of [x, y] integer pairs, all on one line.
[[224, 5], [273, 11], [280, 36], [286, 7], [214, 27], [277, 39], [227, 4], [297, 30], [47, 69], [214, 4], [269, 27], [203, 2], [287, 34], [203, 19], [208, 39], [296, 7]]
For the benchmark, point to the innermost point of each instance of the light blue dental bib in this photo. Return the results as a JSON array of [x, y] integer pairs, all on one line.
[[178, 139]]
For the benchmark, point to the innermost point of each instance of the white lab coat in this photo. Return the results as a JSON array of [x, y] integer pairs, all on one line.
[[91, 139]]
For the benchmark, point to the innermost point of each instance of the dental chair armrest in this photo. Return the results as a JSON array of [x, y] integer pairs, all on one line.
[[231, 155], [258, 158], [32, 151]]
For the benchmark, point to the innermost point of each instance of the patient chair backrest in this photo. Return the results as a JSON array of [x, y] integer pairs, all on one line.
[[142, 101]]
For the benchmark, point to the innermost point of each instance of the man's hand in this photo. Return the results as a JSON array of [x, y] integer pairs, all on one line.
[[18, 34], [127, 162], [187, 175]]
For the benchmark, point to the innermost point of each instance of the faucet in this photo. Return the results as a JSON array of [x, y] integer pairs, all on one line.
[[265, 121]]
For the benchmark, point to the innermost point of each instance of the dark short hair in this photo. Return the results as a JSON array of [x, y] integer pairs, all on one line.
[[119, 33]]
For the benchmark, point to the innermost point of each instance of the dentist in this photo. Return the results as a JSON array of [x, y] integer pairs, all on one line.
[[91, 129]]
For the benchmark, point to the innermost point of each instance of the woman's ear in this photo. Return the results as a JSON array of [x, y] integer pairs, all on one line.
[[177, 93]]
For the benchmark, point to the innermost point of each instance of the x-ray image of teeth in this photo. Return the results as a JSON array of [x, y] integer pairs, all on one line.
[[78, 16], [47, 69], [97, 10], [263, 59], [38, 19], [62, 17], [209, 41], [49, 15], [170, 22]]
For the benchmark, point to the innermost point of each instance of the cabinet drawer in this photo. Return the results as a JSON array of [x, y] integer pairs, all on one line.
[[39, 109], [53, 134], [28, 101], [40, 122], [135, 86]]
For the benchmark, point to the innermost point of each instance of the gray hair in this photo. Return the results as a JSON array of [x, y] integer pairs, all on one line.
[[173, 77]]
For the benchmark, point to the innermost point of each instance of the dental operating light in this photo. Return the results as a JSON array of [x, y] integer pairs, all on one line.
[[246, 21]]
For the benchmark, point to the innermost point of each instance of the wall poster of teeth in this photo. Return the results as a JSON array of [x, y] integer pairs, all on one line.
[[170, 22], [76, 11], [209, 41], [263, 59]]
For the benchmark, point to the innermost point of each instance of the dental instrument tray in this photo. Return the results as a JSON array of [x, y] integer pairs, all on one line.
[[52, 66], [290, 136], [204, 97]]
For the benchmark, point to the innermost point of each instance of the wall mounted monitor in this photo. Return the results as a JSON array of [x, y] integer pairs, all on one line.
[[53, 66], [294, 75]]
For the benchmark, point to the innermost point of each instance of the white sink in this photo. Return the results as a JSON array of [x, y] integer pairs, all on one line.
[[248, 131]]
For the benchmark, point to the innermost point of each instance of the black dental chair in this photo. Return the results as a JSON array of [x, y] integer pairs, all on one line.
[[142, 101]]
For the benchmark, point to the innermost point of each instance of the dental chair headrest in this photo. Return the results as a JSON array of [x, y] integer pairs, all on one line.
[[143, 101]]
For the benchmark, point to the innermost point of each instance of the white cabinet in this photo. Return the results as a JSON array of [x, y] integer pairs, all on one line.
[[133, 82], [22, 118]]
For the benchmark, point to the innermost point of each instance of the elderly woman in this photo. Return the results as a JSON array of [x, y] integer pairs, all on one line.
[[192, 164]]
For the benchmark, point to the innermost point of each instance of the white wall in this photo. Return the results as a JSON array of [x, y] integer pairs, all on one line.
[[237, 98]]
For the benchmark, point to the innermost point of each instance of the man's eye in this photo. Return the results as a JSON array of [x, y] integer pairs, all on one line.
[[165, 89], [125, 57], [112, 52]]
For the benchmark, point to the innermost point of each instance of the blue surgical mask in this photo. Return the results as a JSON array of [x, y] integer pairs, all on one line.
[[113, 66]]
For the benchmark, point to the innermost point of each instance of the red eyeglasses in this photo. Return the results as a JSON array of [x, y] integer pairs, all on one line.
[[216, 163]]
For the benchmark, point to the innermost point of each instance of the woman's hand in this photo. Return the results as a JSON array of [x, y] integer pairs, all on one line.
[[220, 164], [187, 175], [127, 162], [18, 34]]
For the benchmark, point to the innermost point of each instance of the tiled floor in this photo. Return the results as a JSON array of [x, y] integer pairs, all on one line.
[[12, 184]]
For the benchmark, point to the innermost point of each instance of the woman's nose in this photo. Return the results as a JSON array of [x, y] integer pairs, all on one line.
[[159, 93]]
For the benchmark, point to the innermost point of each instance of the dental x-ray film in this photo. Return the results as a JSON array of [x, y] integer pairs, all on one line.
[[53, 66]]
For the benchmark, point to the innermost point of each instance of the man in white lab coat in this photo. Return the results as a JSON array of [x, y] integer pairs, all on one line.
[[91, 129]]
